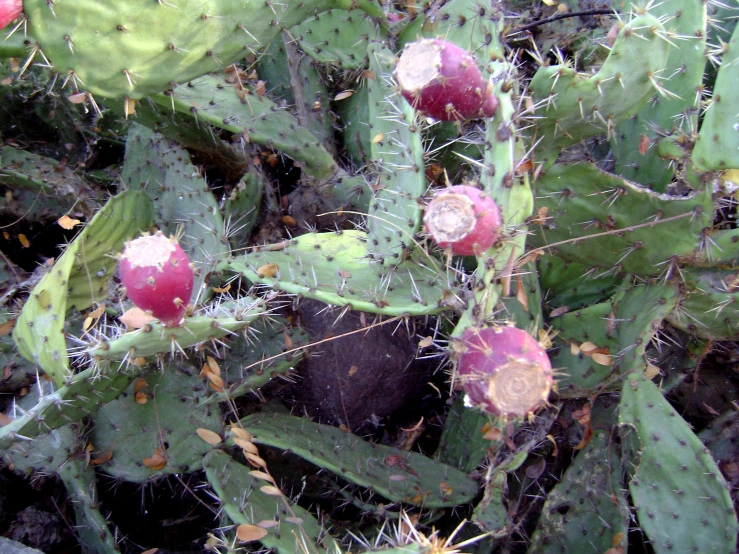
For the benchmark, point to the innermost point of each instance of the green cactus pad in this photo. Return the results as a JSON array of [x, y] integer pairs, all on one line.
[[354, 114], [241, 209], [721, 436], [717, 146], [78, 278], [335, 268], [82, 395], [582, 201], [674, 111], [253, 360], [587, 510], [572, 106], [169, 419], [523, 306], [583, 375], [245, 502], [27, 171], [154, 338], [396, 152], [180, 195], [136, 48], [463, 443], [337, 37], [709, 307], [681, 498], [237, 108], [395, 474], [122, 218], [44, 454], [91, 527], [573, 284], [310, 91]]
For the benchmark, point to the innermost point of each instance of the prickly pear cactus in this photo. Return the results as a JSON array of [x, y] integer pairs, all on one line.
[[273, 140]]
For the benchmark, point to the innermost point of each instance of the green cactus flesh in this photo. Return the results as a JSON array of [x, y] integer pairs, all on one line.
[[717, 146], [154, 339], [91, 527], [681, 498], [159, 410], [335, 268], [571, 106], [395, 474], [394, 216], [709, 307], [180, 195], [44, 454], [137, 48], [337, 37], [571, 284], [587, 509], [675, 108], [463, 443], [241, 209], [244, 500], [637, 230], [78, 278], [584, 374], [254, 117], [82, 395], [24, 170], [252, 360]]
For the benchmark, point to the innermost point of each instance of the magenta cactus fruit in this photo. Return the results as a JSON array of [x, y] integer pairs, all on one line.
[[158, 278], [443, 81], [9, 10], [503, 370], [464, 219]]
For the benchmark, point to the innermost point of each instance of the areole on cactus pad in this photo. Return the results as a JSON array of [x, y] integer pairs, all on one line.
[[503, 370], [157, 275]]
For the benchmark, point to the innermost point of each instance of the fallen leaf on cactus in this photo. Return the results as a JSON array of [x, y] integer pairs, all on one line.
[[268, 270], [7, 327], [98, 460], [157, 461], [66, 222], [267, 523], [270, 490], [344, 95], [587, 437], [211, 437], [262, 475], [136, 318], [246, 446], [241, 433], [250, 533]]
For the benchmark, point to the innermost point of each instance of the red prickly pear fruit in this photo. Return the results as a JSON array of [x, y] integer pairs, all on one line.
[[463, 219], [9, 10], [443, 81], [158, 278], [503, 370]]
